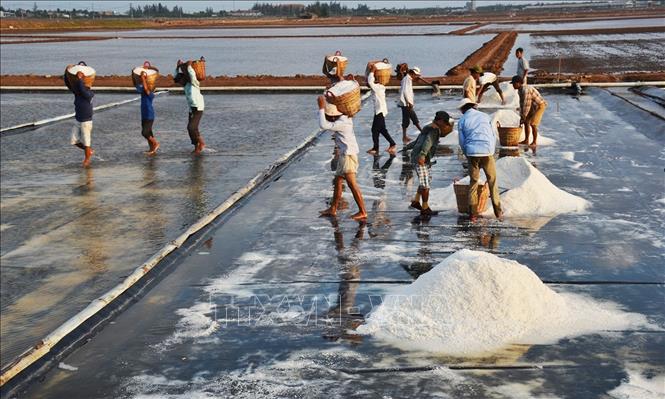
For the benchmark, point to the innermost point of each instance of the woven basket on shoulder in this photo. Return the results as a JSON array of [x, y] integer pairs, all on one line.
[[509, 136], [199, 67], [348, 103], [151, 80], [88, 80], [334, 61], [382, 76], [462, 196]]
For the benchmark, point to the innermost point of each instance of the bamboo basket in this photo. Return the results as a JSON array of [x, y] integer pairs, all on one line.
[[348, 103], [382, 76], [88, 80], [199, 67], [335, 61], [462, 196], [509, 136], [151, 80]]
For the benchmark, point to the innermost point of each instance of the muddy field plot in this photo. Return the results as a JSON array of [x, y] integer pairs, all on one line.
[[598, 53]]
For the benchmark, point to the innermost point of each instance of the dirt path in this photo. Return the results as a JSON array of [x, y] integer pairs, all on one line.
[[491, 56], [313, 80]]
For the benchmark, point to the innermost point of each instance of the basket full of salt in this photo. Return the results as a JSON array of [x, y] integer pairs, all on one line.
[[88, 74], [345, 95], [152, 73], [199, 67], [335, 64], [381, 72], [462, 196], [509, 136]]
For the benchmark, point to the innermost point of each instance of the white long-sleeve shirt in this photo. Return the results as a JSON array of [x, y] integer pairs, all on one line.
[[342, 129], [379, 92], [193, 90], [406, 91]]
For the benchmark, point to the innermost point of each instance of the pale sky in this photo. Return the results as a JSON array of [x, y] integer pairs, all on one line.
[[122, 6]]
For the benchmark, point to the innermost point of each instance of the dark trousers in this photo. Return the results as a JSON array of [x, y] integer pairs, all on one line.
[[409, 115], [193, 125], [146, 128], [379, 127]]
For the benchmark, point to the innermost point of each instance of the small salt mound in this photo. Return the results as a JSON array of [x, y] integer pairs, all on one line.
[[335, 58], [529, 193], [87, 71], [507, 118], [382, 65], [344, 87], [491, 98], [475, 302], [140, 70]]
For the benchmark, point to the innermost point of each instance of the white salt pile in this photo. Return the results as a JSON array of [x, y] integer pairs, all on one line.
[[344, 87], [529, 193], [491, 98], [139, 70], [382, 65], [507, 118], [87, 71], [335, 58], [475, 302]]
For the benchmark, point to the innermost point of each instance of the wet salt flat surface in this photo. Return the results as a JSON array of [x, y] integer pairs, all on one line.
[[19, 108], [299, 31], [599, 53], [199, 334], [434, 55], [69, 234], [608, 24]]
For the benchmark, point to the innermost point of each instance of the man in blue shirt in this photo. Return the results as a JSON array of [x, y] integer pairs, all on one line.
[[82, 129], [478, 142], [147, 114]]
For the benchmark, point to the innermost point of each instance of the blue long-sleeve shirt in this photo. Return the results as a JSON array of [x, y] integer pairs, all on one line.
[[82, 100], [147, 110], [476, 136]]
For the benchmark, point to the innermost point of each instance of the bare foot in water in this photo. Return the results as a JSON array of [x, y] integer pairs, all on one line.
[[88, 158], [372, 151], [533, 144], [199, 148], [153, 151], [524, 142], [328, 213], [406, 139], [392, 150], [359, 216]]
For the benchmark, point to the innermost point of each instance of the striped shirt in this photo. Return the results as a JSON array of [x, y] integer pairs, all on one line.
[[528, 96]]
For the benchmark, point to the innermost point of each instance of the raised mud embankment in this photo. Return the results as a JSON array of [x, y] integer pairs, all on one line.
[[490, 56], [28, 81]]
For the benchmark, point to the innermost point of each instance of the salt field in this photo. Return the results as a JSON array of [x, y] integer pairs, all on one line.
[[127, 207], [241, 56], [269, 303], [598, 24], [294, 32]]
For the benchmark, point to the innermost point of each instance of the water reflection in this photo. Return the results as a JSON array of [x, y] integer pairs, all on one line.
[[198, 198], [379, 172], [344, 315]]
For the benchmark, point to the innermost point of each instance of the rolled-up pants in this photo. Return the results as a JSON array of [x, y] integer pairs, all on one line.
[[488, 166]]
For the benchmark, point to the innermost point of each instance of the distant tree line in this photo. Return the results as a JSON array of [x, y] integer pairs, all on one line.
[[320, 9]]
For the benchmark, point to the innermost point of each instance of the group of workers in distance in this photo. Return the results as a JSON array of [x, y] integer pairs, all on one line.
[[476, 135], [81, 135], [477, 138]]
